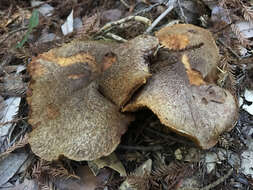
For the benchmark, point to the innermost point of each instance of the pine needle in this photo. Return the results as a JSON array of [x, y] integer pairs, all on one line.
[[19, 144]]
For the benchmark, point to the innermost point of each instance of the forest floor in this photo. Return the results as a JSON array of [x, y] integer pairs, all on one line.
[[149, 155]]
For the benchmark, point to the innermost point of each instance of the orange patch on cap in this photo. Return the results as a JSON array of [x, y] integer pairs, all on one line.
[[36, 69], [195, 77], [67, 61], [173, 41]]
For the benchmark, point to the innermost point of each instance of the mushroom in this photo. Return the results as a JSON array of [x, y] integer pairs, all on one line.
[[68, 113], [178, 92], [198, 44]]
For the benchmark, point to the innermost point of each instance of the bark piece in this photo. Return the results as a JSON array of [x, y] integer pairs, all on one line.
[[68, 114], [201, 112]]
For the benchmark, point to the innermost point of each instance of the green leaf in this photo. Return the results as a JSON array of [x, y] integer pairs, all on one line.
[[33, 22]]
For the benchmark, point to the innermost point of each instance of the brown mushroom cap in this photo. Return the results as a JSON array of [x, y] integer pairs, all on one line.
[[199, 112], [130, 71], [69, 119], [182, 36]]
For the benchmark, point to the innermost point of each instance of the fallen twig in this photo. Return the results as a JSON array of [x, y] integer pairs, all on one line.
[[171, 5], [115, 37], [217, 182], [127, 19], [145, 10], [142, 148], [165, 136], [125, 4], [11, 33], [229, 48], [182, 11], [12, 121]]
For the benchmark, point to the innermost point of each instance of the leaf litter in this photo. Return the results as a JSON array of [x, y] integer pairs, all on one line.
[[118, 84]]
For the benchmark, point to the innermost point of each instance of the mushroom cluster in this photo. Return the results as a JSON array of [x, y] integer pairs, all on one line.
[[81, 94]]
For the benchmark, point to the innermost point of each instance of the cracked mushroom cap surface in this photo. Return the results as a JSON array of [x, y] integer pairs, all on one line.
[[68, 115], [197, 110]]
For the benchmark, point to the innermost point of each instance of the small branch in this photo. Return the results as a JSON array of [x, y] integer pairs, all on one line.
[[148, 8], [229, 48], [182, 11], [115, 37], [125, 4], [127, 19], [165, 136], [142, 148], [223, 28], [214, 184], [217, 182], [171, 5], [11, 33], [12, 121]]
